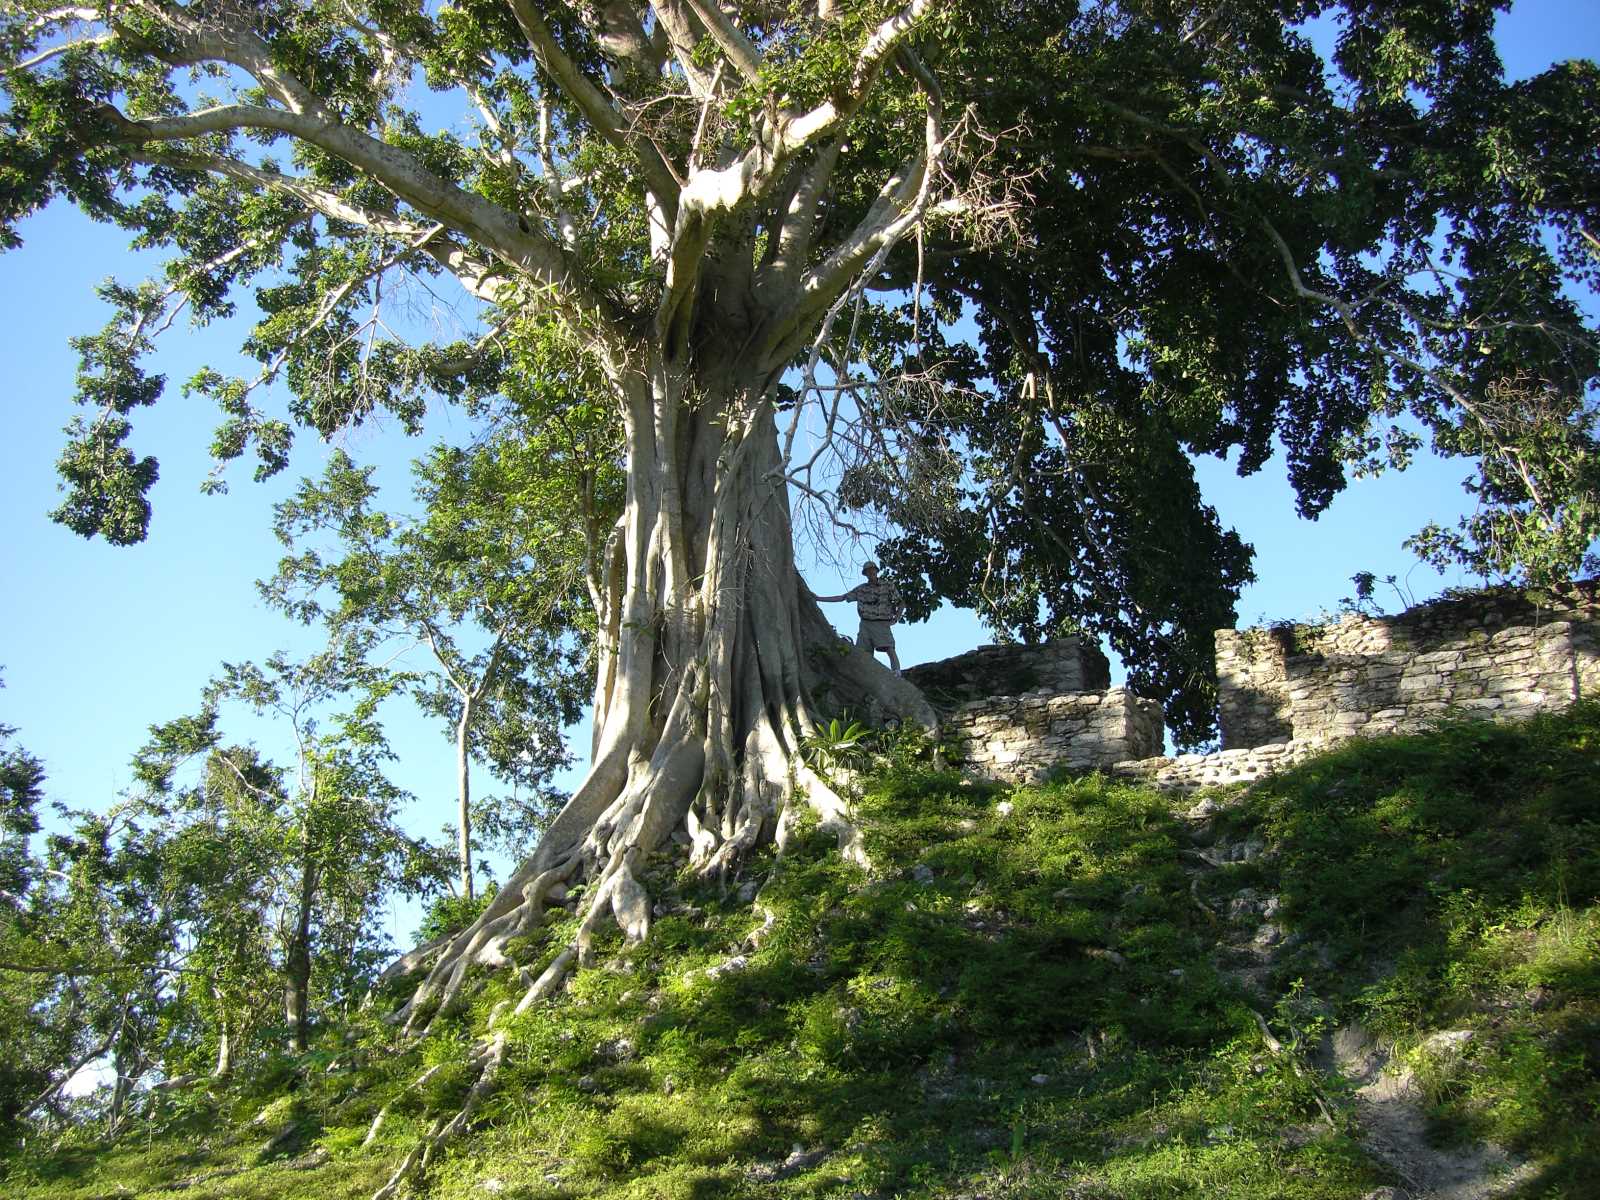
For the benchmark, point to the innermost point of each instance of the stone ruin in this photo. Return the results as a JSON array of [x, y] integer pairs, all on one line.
[[1017, 714]]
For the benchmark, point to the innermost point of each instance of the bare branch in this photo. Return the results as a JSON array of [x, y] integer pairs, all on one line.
[[678, 21], [793, 243], [885, 38], [44, 56], [260, 793], [59, 16], [623, 35], [552, 180], [76, 1065], [900, 204], [477, 276]]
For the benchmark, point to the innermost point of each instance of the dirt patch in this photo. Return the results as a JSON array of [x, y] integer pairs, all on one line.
[[1393, 1128]]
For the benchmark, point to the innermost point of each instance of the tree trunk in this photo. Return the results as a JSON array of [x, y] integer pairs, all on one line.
[[224, 1067], [713, 663], [297, 955], [464, 797], [124, 1071]]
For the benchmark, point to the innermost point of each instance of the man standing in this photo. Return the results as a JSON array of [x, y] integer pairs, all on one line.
[[879, 606]]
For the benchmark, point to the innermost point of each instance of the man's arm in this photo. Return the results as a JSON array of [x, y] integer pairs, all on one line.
[[850, 595]]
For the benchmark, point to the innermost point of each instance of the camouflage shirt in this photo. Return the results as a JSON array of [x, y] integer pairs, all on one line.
[[877, 601]]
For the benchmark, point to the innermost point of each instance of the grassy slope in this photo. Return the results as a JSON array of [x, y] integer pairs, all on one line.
[[1041, 993]]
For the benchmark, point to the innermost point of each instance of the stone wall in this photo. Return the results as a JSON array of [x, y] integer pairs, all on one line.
[[1252, 697], [1187, 772], [1496, 652], [1022, 739], [1058, 666], [1017, 713]]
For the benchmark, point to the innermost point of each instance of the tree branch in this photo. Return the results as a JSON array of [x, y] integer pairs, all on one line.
[[741, 51], [899, 205], [75, 1066], [595, 107], [552, 180], [44, 56], [501, 232], [678, 21], [884, 39]]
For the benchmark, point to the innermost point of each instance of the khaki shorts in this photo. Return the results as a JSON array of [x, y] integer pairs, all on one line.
[[876, 635]]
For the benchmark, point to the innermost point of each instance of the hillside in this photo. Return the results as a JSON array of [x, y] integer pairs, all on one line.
[[1380, 970]]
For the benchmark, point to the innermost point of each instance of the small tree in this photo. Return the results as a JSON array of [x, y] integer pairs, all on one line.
[[311, 851], [87, 964], [489, 580], [156, 937], [39, 1048]]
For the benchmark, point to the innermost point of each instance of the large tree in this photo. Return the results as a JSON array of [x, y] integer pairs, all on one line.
[[984, 272]]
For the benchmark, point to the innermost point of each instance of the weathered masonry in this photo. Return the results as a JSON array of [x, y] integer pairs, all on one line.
[[1498, 653], [1016, 713]]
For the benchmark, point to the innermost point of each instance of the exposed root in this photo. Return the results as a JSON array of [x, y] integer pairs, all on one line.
[[756, 937], [762, 802], [712, 747], [383, 1113], [490, 1055], [1279, 1050], [480, 945], [413, 960], [547, 982]]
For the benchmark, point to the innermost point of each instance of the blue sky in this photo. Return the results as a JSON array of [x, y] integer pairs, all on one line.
[[98, 642]]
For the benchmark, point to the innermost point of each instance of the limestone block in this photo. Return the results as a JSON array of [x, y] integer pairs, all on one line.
[[1526, 699]]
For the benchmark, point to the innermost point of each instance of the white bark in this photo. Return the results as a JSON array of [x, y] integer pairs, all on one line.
[[708, 686], [464, 798]]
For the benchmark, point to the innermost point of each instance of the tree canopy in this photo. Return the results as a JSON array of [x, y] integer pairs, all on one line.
[[974, 278], [1080, 240], [487, 581]]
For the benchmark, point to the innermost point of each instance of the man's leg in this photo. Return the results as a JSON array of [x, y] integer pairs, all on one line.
[[874, 637]]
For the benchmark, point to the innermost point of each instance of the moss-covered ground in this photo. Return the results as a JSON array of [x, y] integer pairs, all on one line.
[[1071, 990]]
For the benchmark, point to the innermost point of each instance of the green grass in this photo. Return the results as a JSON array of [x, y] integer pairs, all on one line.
[[1024, 999]]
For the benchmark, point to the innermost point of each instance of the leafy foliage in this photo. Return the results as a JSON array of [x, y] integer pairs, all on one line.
[[225, 889], [1146, 231], [1024, 1000], [488, 581]]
